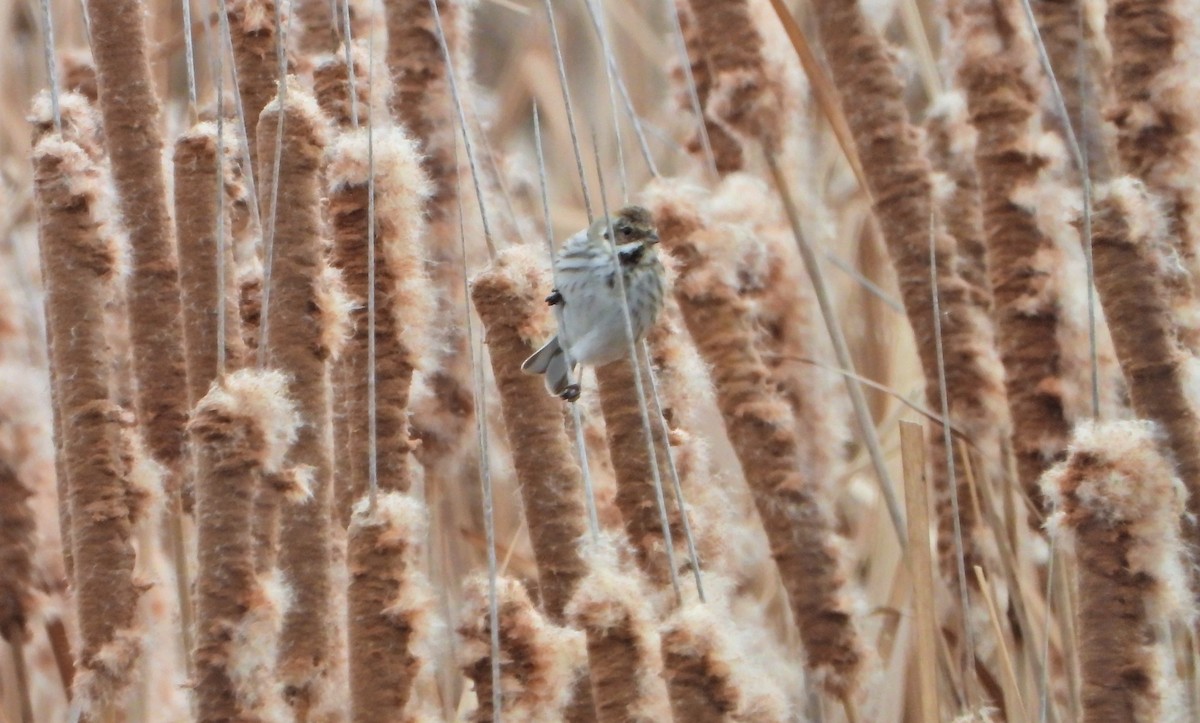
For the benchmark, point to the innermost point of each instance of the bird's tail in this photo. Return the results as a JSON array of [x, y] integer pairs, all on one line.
[[552, 361]]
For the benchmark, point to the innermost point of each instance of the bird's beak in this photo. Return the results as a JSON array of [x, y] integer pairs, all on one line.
[[653, 238]]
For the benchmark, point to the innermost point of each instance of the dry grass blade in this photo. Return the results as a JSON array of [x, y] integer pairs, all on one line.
[[920, 566]]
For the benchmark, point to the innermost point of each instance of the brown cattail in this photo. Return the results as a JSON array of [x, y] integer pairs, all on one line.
[[726, 147], [952, 146], [509, 298], [741, 95], [17, 523], [625, 663], [1119, 504], [131, 111], [300, 348], [196, 225], [252, 25], [320, 25], [1154, 81], [796, 518], [79, 267], [998, 59], [1082, 68], [710, 678], [901, 184], [634, 468], [331, 84], [421, 99], [538, 659], [390, 603], [240, 429], [80, 125], [1134, 265], [403, 298]]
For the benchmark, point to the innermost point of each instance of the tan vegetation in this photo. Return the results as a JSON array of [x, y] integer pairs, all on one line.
[[267, 452]]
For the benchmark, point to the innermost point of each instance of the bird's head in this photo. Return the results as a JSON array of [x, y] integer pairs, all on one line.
[[632, 224]]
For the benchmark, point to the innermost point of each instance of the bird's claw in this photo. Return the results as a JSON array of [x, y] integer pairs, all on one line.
[[571, 393], [554, 298]]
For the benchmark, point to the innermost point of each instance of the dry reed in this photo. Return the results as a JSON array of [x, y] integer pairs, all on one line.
[[998, 58], [539, 660], [390, 604], [256, 56], [901, 187], [508, 297], [196, 225], [797, 520], [242, 428], [726, 148], [383, 544], [303, 331], [80, 264], [130, 109], [1135, 263], [1120, 504], [624, 660]]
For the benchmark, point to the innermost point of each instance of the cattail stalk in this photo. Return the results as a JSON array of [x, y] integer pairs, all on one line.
[[1135, 264], [242, 428], [539, 658], [382, 550], [300, 349], [998, 58], [79, 271], [796, 518], [1119, 504], [17, 529], [900, 182], [331, 84], [390, 603], [131, 111], [196, 225], [952, 145], [1154, 79], [252, 27], [624, 659], [635, 475], [727, 150], [508, 297]]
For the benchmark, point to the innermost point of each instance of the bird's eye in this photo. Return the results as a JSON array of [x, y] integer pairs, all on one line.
[[625, 230]]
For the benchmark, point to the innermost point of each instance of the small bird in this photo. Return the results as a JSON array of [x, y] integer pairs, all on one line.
[[592, 325]]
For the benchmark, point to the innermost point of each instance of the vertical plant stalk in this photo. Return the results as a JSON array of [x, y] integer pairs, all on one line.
[[739, 94], [539, 657], [196, 225], [1135, 264], [899, 178], [953, 143], [624, 659], [509, 298], [422, 102], [1154, 77], [1082, 75], [131, 112], [79, 272], [241, 429], [998, 59], [797, 521], [632, 464], [727, 150], [1120, 505], [390, 603], [331, 84], [383, 552], [256, 56], [300, 348], [80, 124]]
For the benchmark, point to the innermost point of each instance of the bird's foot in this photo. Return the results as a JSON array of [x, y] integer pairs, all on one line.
[[554, 298], [571, 393]]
